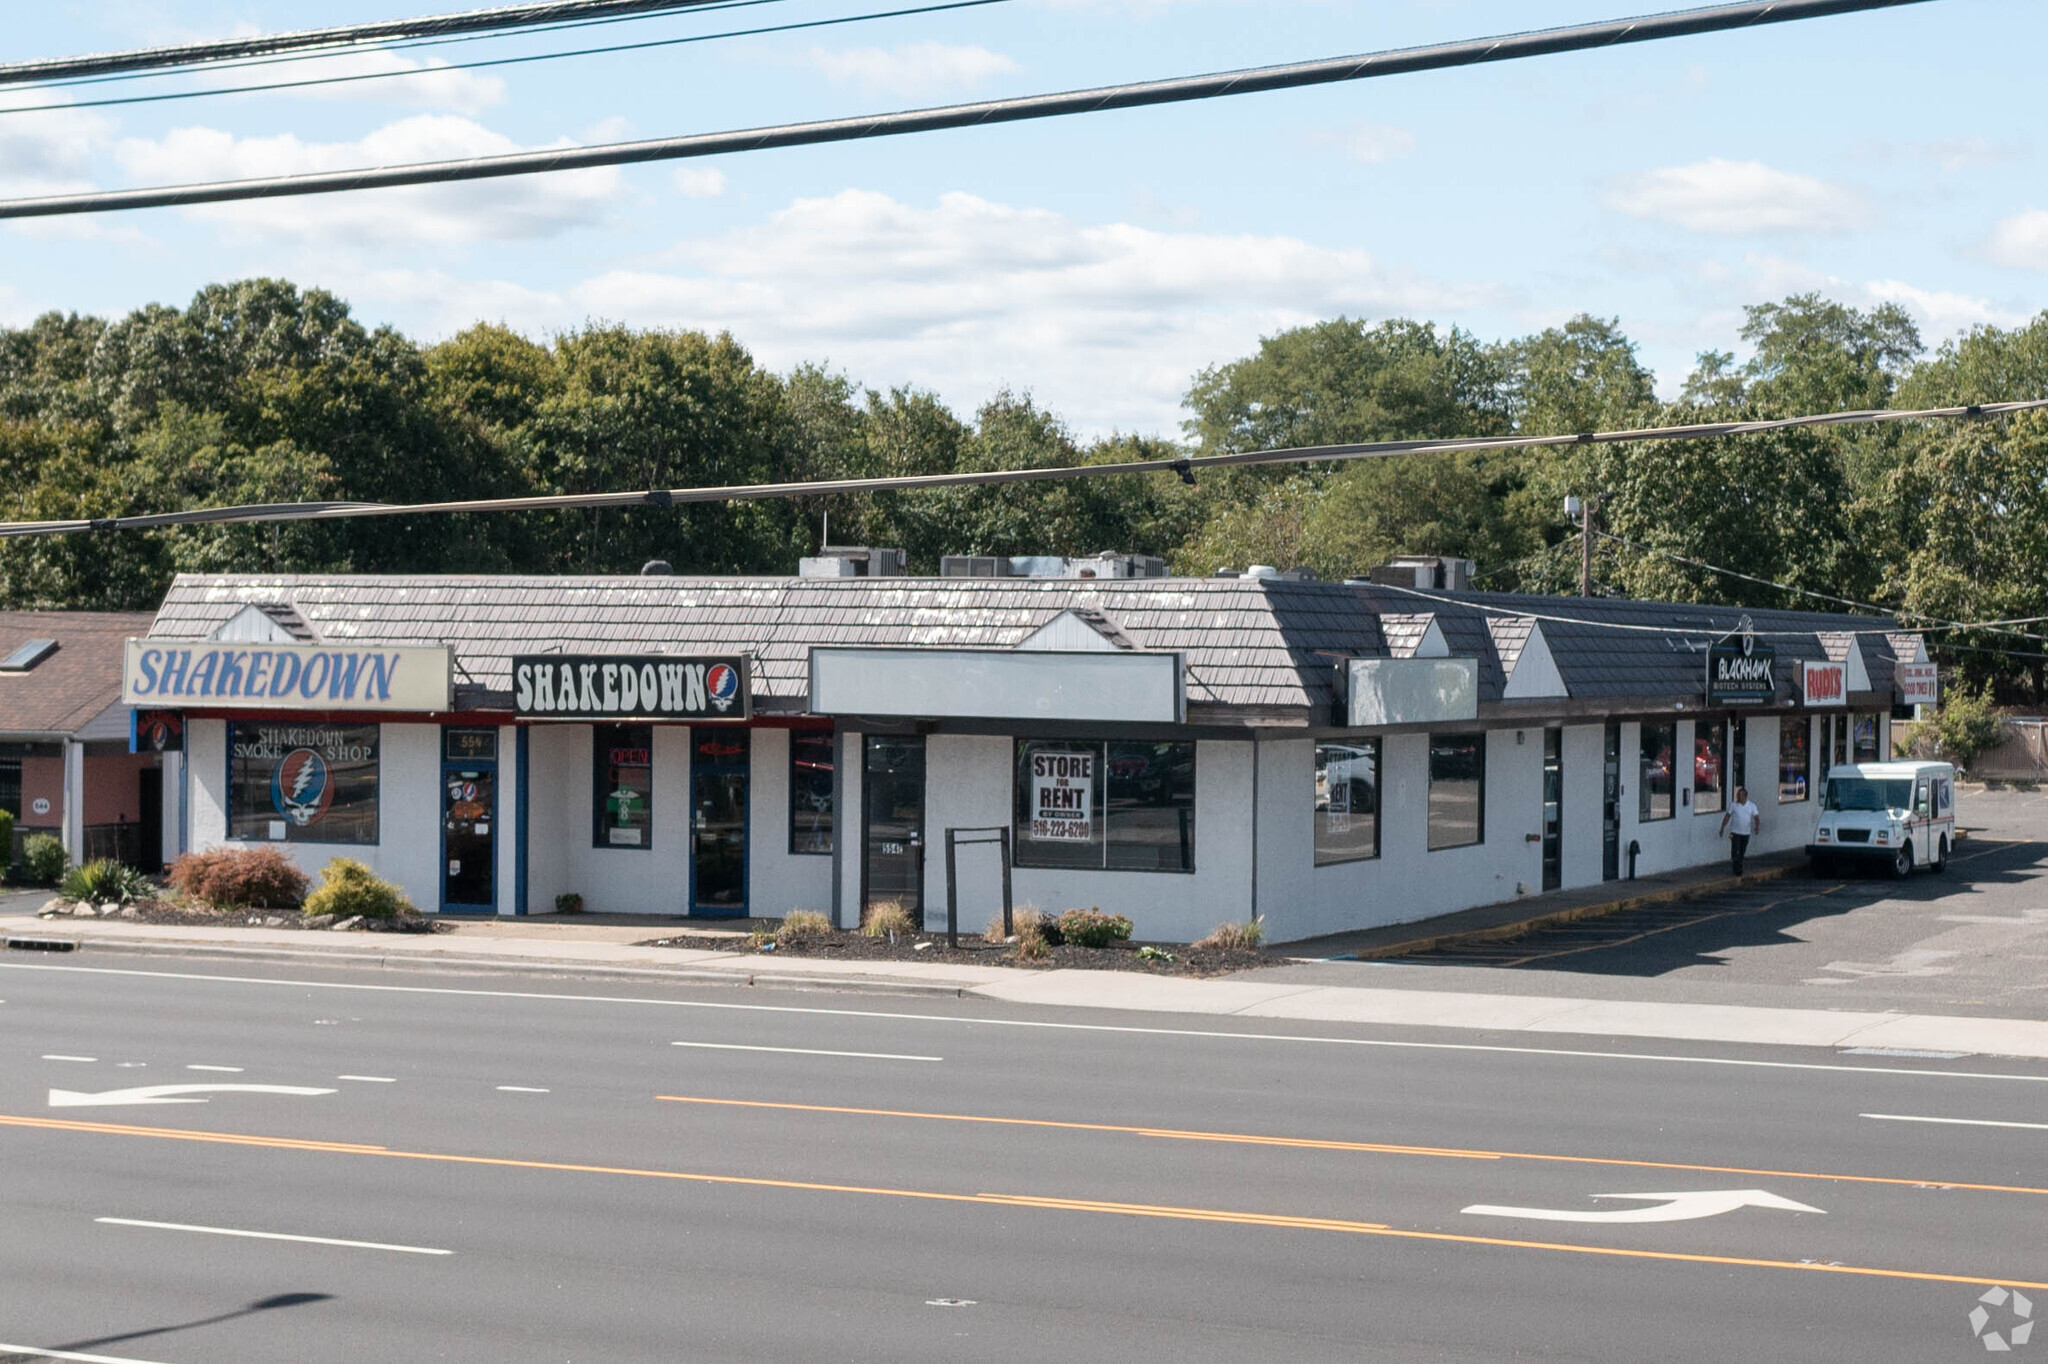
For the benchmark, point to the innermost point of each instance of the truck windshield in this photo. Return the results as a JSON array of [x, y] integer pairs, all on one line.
[[1868, 793]]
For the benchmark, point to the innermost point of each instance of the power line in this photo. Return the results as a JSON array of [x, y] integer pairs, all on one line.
[[498, 18], [1186, 468], [522, 60], [1547, 42]]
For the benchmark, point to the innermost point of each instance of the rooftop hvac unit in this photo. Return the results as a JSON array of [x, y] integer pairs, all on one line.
[[973, 566], [852, 561]]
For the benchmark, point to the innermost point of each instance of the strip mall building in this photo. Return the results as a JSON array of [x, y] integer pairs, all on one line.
[[1183, 751]]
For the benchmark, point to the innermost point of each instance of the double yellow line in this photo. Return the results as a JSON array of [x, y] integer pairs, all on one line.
[[1222, 1215]]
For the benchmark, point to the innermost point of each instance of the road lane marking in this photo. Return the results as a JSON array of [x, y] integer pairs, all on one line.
[[1275, 1220], [1958, 1122], [521, 1089], [270, 1236], [369, 1079], [808, 1051], [1047, 1024], [52, 1056], [33, 1353], [1368, 1147], [1672, 1207], [165, 1094], [225, 1070]]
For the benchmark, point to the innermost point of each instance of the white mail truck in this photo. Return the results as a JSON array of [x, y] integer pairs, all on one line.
[[1898, 814]]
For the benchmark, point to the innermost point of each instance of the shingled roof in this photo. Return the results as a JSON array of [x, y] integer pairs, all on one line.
[[76, 684], [1248, 643]]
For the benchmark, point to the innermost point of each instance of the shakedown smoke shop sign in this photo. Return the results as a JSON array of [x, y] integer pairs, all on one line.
[[631, 687], [1740, 670]]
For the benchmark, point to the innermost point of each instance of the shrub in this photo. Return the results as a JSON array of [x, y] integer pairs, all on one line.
[[569, 903], [348, 888], [1967, 726], [1026, 921], [889, 919], [1237, 935], [240, 878], [42, 856], [802, 923], [105, 882], [6, 839], [1093, 928], [1033, 948]]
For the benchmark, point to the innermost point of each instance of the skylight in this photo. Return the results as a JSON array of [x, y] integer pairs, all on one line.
[[28, 655]]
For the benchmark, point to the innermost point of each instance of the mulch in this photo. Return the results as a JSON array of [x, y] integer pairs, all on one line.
[[193, 916], [973, 951]]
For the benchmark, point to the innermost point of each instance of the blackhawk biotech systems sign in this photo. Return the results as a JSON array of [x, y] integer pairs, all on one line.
[[630, 686], [1741, 671]]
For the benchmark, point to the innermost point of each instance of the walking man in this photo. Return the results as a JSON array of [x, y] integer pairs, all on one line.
[[1739, 824]]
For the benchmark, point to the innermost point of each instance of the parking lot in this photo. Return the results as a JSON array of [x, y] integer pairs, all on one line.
[[1973, 940]]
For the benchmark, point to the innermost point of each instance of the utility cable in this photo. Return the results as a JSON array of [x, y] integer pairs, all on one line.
[[496, 19], [1185, 468], [1546, 42], [311, 81]]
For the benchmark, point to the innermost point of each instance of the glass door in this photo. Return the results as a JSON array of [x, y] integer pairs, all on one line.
[[718, 824], [1610, 806], [1553, 808], [892, 865], [469, 799]]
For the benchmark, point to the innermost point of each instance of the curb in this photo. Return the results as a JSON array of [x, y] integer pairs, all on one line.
[[518, 966], [1577, 914]]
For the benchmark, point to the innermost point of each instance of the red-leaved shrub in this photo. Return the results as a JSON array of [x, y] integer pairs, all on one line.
[[240, 878]]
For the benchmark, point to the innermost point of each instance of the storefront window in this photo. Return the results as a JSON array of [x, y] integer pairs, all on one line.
[[622, 786], [1866, 749], [1121, 806], [295, 783], [1457, 790], [810, 791], [1794, 758], [1654, 782], [1709, 765], [10, 787], [1347, 801]]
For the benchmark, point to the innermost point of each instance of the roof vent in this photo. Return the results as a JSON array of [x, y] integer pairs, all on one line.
[[657, 568], [28, 655], [852, 561]]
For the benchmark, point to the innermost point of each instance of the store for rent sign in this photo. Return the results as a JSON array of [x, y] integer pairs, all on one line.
[[1918, 684], [1825, 684], [1063, 796]]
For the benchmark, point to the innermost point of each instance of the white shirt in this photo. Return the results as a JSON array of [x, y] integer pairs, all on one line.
[[1742, 818]]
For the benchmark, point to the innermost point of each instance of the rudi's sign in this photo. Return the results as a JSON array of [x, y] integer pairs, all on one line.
[[172, 675], [1741, 670], [631, 686]]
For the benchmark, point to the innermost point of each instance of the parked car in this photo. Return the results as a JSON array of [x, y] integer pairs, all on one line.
[[1900, 813]]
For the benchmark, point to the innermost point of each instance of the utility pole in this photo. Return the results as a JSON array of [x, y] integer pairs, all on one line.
[[1583, 509]]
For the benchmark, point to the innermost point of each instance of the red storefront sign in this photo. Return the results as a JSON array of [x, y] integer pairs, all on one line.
[[1826, 684]]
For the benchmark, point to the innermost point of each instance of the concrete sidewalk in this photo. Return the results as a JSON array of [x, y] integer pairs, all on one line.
[[503, 946]]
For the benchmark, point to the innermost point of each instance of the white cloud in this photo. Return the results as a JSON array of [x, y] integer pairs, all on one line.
[[50, 152], [1372, 143], [1107, 322], [512, 209], [1942, 313], [926, 68], [699, 182], [2020, 241], [1737, 197], [397, 82]]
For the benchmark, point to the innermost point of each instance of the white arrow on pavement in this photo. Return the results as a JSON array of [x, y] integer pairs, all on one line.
[[1675, 1207], [165, 1094]]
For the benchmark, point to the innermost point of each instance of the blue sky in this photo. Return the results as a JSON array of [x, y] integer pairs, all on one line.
[[1096, 262]]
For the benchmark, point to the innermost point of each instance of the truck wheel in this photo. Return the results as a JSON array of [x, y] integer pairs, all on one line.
[[1940, 863], [1902, 860]]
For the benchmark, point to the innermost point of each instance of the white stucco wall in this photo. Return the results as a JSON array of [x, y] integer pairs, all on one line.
[[778, 880]]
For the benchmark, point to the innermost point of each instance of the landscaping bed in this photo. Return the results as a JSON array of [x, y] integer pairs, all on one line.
[[169, 912], [848, 945]]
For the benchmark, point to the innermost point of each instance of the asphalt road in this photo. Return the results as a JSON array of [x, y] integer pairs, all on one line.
[[821, 1176], [1973, 940]]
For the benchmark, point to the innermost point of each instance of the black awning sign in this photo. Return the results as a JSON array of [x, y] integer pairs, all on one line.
[[631, 686], [1741, 672]]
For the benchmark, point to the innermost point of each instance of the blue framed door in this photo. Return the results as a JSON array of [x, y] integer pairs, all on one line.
[[718, 823], [469, 821]]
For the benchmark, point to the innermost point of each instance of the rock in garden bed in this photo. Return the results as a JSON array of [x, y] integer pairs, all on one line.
[[841, 945]]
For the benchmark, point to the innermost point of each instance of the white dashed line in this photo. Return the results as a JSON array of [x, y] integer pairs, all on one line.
[[52, 1056], [1956, 1122], [272, 1236], [225, 1070], [369, 1079], [807, 1051], [523, 1089]]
